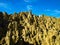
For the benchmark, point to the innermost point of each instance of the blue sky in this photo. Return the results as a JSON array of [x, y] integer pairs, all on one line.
[[38, 7]]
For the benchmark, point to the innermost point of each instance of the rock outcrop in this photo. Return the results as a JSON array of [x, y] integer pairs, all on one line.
[[25, 28]]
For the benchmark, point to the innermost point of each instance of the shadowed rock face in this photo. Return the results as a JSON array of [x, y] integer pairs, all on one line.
[[27, 29]]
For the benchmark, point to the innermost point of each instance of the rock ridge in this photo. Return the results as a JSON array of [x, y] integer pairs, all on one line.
[[24, 28]]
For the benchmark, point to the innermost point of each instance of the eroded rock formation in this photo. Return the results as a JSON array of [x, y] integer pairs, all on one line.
[[27, 29]]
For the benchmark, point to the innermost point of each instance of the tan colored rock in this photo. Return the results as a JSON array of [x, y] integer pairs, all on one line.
[[27, 29]]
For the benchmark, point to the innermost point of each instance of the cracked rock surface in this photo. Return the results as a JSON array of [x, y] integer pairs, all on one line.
[[25, 28]]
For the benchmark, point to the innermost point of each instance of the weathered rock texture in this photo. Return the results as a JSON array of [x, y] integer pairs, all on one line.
[[27, 29]]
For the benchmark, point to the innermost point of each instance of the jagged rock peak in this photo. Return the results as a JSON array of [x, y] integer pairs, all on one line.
[[24, 28]]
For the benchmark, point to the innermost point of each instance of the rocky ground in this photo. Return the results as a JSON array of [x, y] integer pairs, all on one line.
[[25, 28]]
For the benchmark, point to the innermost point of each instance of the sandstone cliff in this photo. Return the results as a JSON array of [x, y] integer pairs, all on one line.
[[27, 29]]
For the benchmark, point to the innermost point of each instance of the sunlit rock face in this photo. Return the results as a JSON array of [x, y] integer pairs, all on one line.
[[27, 29]]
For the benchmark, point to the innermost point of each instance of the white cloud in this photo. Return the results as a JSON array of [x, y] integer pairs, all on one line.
[[47, 10], [26, 0], [30, 0], [4, 5], [53, 11], [57, 11], [29, 7]]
